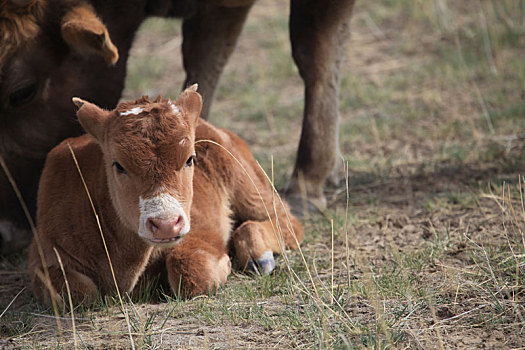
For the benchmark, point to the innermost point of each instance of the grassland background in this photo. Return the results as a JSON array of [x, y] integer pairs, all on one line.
[[428, 248]]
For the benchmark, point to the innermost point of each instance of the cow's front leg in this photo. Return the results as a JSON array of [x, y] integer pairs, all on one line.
[[209, 37], [318, 32], [195, 267]]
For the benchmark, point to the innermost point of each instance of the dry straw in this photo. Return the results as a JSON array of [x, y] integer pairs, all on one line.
[[105, 246], [45, 278]]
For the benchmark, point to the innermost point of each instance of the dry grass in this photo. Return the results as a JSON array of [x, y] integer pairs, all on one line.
[[422, 247]]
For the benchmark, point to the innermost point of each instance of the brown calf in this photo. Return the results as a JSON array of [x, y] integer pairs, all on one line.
[[173, 194]]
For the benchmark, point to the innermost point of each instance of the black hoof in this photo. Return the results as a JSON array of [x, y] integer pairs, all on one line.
[[264, 265]]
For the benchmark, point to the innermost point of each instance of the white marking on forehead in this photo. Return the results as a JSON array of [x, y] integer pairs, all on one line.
[[174, 108], [162, 206], [136, 111]]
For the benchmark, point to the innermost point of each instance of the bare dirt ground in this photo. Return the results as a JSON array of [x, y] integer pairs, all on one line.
[[428, 249]]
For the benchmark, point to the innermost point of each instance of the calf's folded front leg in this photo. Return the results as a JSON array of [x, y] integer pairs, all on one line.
[[254, 246], [195, 267], [256, 241]]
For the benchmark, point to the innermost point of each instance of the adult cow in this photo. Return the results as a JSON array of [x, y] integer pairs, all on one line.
[[49, 51], [41, 71]]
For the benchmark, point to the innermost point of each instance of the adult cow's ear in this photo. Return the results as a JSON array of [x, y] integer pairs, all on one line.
[[84, 31], [190, 101], [91, 117]]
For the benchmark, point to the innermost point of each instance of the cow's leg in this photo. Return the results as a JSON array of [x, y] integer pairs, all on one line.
[[197, 266], [318, 32], [256, 241], [15, 233], [209, 37], [13, 238]]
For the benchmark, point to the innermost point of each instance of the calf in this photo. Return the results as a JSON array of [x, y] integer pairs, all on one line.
[[173, 194]]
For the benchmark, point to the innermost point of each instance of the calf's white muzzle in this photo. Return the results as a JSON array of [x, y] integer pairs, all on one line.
[[162, 219]]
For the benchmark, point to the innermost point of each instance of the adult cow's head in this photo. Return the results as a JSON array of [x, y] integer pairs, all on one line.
[[148, 151], [39, 43]]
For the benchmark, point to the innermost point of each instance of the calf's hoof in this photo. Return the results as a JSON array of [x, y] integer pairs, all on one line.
[[13, 239], [264, 264]]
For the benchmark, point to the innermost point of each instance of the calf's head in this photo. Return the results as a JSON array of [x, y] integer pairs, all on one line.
[[148, 151]]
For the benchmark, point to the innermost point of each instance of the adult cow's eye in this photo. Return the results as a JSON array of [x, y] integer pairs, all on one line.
[[191, 160], [119, 168], [24, 95]]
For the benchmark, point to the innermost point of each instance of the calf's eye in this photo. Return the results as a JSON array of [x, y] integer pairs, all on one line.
[[190, 160], [119, 168]]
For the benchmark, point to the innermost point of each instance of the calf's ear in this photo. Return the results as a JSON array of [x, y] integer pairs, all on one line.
[[85, 32], [190, 101], [91, 117]]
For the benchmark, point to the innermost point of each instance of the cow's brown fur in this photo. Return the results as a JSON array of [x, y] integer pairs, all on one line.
[[19, 24], [153, 147], [68, 54]]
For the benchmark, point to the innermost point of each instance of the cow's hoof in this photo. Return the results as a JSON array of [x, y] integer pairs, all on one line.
[[12, 238], [302, 206], [265, 264]]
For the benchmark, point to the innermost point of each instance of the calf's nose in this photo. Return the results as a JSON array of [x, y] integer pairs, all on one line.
[[165, 228]]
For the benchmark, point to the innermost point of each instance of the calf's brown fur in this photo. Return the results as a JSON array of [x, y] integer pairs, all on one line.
[[156, 207]]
